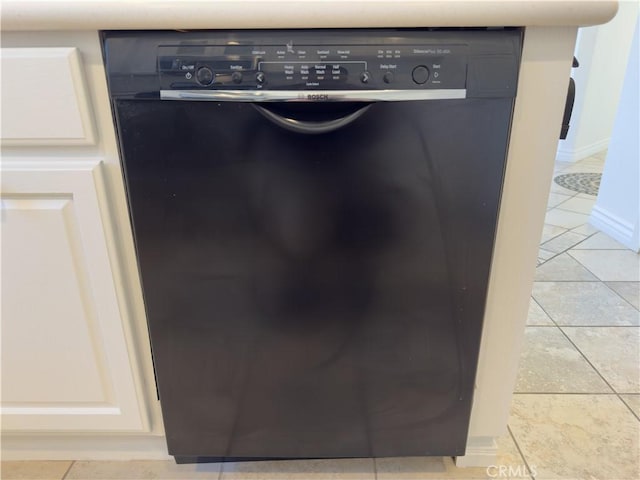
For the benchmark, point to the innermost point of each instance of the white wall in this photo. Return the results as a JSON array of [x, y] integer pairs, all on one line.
[[617, 208], [602, 52]]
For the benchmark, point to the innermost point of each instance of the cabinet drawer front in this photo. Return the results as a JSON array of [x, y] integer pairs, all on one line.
[[44, 98], [66, 365]]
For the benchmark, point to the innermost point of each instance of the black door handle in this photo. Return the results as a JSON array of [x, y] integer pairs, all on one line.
[[311, 126]]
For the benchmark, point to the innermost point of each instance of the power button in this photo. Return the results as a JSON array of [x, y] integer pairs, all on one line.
[[204, 76], [420, 74]]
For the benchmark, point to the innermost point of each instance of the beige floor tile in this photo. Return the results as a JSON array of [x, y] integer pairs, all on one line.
[[330, 469], [551, 364], [563, 268], [630, 291], [633, 402], [560, 165], [613, 351], [563, 242], [610, 265], [584, 304], [551, 231], [600, 241], [593, 161], [585, 229], [583, 168], [580, 205], [413, 468], [537, 316], [601, 155], [556, 199], [143, 470], [555, 188], [565, 218], [444, 468], [588, 196], [576, 436], [27, 470], [545, 254]]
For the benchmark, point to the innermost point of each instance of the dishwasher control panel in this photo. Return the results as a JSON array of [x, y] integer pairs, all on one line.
[[287, 64], [294, 66]]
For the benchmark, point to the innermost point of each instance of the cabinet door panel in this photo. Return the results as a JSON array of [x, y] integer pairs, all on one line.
[[65, 363], [44, 99]]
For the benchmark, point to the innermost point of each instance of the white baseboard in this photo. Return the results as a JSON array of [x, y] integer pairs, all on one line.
[[614, 226], [481, 452], [568, 155], [84, 447]]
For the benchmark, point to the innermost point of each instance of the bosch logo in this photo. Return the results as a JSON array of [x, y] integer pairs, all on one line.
[[318, 96]]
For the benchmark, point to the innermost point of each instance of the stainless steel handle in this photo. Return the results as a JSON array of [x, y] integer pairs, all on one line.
[[303, 126], [312, 95]]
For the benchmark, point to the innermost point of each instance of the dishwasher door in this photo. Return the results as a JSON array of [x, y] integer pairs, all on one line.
[[314, 295]]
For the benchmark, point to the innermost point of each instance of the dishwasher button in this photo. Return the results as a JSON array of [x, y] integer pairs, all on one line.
[[365, 77], [260, 78], [236, 77], [204, 76], [420, 74], [388, 77]]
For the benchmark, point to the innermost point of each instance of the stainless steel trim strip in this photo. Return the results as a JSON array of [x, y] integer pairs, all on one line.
[[312, 95]]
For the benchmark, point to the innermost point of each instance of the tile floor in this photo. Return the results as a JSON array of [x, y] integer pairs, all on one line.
[[576, 408], [575, 411]]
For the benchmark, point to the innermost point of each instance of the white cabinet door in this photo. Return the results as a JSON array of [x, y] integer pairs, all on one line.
[[44, 98], [65, 364]]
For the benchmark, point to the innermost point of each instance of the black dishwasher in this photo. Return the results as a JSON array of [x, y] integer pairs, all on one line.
[[314, 214]]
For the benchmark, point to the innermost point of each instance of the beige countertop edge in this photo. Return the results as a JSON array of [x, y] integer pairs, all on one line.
[[25, 15]]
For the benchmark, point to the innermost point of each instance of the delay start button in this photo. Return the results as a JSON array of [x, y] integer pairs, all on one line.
[[420, 74]]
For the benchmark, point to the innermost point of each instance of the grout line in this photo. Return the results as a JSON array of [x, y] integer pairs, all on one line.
[[628, 406], [571, 211], [564, 233], [570, 393], [515, 442], [555, 236], [616, 292], [586, 237], [603, 282], [566, 200], [569, 281], [606, 250], [579, 262], [589, 362], [73, 462], [599, 279], [568, 248], [555, 324], [574, 211], [613, 391], [545, 312], [536, 302], [598, 326]]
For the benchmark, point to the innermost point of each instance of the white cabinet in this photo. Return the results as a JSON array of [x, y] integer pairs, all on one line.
[[69, 358], [65, 363]]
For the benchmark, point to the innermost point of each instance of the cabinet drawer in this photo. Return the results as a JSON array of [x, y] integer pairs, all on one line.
[[44, 98]]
